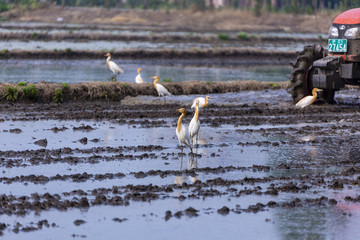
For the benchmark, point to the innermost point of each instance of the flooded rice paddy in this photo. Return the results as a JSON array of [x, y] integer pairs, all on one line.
[[100, 170], [77, 71], [105, 169]]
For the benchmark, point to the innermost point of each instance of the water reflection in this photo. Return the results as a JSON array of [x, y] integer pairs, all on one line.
[[76, 71], [191, 164]]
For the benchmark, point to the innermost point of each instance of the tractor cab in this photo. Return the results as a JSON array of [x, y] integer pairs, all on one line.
[[344, 35], [331, 69]]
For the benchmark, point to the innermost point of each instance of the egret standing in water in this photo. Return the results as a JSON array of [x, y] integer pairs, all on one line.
[[308, 100], [138, 78], [113, 66], [181, 131], [162, 91], [194, 125], [202, 102]]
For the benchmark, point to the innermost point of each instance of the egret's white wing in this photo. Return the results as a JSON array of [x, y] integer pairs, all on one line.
[[304, 102], [183, 136], [162, 91], [194, 127], [201, 102], [138, 79], [114, 67]]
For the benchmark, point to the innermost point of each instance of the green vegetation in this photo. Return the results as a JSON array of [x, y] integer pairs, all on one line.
[[58, 96], [65, 86], [208, 82], [11, 93], [35, 35], [242, 36], [68, 50], [4, 6], [273, 85], [22, 84], [224, 36], [31, 92], [4, 51], [167, 79]]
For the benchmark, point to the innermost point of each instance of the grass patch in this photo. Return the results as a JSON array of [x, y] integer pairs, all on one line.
[[35, 35], [31, 92], [224, 36], [65, 86], [243, 36], [22, 84], [58, 96], [167, 79], [11, 93], [273, 85]]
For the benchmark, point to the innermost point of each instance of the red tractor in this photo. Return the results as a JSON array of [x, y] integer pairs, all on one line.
[[330, 69]]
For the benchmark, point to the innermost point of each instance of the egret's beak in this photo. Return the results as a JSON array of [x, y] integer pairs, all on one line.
[[106, 55], [319, 90], [178, 110]]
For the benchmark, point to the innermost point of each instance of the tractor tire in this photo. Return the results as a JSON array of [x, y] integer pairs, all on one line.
[[302, 68]]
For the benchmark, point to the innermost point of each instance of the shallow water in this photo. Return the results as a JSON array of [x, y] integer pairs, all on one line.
[[76, 71], [219, 147]]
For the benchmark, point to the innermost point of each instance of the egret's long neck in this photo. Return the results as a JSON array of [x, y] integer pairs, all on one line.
[[197, 113], [107, 61], [314, 93], [155, 82], [206, 102], [178, 127]]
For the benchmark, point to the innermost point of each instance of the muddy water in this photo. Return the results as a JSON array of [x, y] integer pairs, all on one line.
[[77, 71], [261, 167]]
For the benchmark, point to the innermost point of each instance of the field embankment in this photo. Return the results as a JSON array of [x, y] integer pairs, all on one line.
[[115, 91]]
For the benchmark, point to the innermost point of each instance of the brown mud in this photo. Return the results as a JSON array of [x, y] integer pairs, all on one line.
[[248, 55], [273, 179], [148, 38], [256, 114]]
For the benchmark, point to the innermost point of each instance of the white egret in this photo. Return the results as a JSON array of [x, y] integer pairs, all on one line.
[[194, 125], [181, 131], [113, 66], [162, 91], [202, 102], [138, 78], [308, 100]]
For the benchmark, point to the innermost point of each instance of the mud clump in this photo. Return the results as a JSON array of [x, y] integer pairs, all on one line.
[[79, 222], [42, 142], [223, 211], [119, 220]]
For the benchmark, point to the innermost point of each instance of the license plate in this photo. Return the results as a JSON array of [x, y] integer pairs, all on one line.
[[337, 45]]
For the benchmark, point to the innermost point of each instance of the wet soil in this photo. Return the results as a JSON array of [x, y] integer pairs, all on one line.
[[230, 54], [320, 145]]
